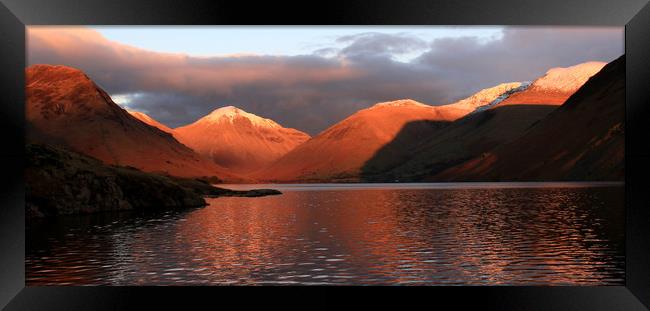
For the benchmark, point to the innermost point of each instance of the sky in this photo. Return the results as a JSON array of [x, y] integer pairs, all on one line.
[[308, 77], [277, 40]]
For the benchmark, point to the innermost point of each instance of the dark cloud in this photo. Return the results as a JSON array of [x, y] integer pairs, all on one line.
[[522, 54], [311, 92]]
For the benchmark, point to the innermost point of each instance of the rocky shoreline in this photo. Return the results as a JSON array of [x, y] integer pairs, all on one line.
[[62, 182]]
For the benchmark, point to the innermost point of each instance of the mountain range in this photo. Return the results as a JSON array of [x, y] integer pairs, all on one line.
[[565, 125], [340, 152], [477, 133]]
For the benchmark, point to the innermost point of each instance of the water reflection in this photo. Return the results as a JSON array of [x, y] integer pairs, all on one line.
[[460, 236]]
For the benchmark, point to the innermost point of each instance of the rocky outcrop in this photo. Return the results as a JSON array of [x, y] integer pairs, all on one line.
[[62, 182], [245, 193]]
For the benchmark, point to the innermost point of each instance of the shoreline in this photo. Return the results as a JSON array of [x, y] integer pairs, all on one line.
[[432, 186], [63, 182]]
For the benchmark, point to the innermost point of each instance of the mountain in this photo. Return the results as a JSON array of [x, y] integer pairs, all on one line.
[[340, 152], [501, 121], [238, 140], [581, 140], [555, 87], [149, 120], [65, 107]]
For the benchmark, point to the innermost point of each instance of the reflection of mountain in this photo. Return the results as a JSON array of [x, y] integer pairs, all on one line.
[[581, 140], [339, 152], [239, 140], [65, 107], [400, 236]]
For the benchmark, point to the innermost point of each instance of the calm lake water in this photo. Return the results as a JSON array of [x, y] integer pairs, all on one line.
[[353, 234]]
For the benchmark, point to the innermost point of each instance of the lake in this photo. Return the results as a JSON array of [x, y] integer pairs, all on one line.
[[348, 234]]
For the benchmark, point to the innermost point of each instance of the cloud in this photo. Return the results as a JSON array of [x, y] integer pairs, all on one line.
[[312, 92], [372, 44], [520, 54]]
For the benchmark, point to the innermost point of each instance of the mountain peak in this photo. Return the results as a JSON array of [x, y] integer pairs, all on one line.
[[55, 73], [226, 111], [555, 87], [57, 90], [582, 67], [238, 140], [400, 103], [568, 79], [230, 113], [53, 68]]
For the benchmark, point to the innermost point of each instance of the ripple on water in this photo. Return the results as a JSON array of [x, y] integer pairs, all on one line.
[[314, 236]]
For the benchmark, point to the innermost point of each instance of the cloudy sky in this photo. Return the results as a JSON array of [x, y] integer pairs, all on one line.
[[309, 77]]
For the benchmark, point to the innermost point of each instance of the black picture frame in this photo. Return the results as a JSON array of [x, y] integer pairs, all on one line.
[[633, 14]]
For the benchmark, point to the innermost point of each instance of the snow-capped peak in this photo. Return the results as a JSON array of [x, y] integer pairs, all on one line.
[[230, 113], [490, 95], [522, 87], [568, 79], [400, 103]]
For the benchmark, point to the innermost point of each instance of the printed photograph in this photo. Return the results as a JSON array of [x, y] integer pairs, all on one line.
[[325, 155]]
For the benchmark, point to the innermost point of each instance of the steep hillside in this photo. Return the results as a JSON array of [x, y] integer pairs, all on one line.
[[489, 126], [581, 140]]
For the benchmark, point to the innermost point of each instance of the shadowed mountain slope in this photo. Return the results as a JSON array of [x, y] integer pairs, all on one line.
[[451, 145], [481, 131], [340, 152], [581, 140]]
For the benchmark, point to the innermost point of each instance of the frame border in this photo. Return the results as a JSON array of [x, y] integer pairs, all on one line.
[[634, 14]]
